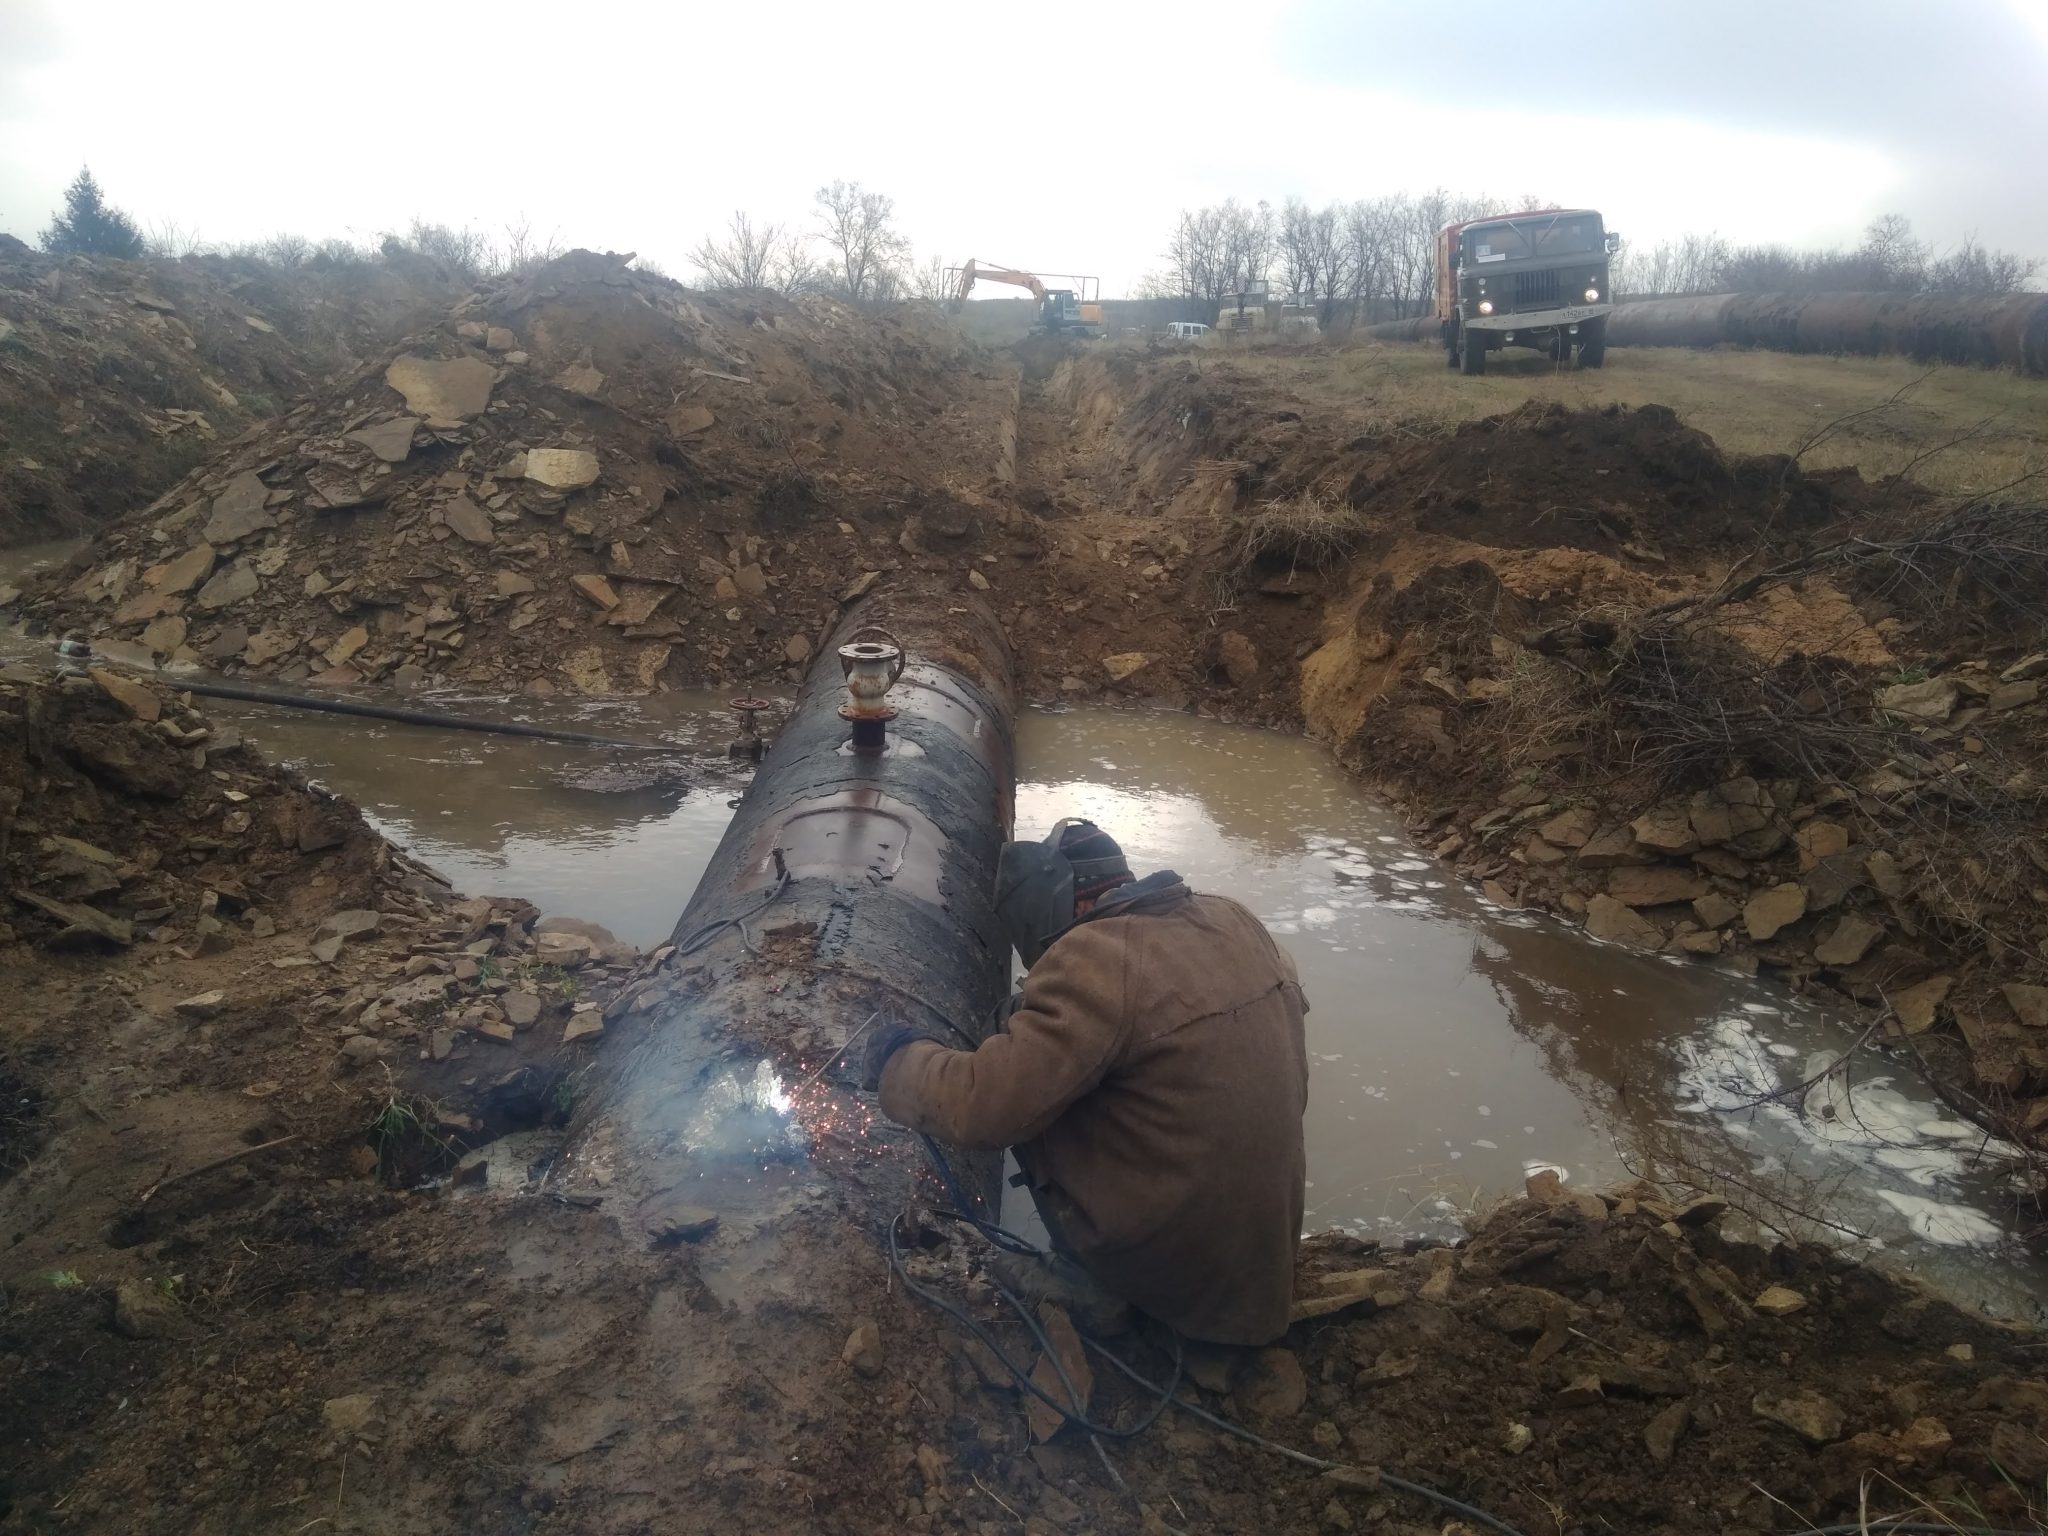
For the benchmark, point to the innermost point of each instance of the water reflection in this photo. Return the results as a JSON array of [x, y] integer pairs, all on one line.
[[1457, 1046], [498, 817]]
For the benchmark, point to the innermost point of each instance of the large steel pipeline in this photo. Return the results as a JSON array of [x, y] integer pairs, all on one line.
[[2000, 331], [2009, 331], [853, 888]]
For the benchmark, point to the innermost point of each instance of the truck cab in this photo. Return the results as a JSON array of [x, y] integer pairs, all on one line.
[[1535, 280]]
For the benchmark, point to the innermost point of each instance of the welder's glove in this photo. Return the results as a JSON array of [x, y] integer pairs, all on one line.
[[882, 1044]]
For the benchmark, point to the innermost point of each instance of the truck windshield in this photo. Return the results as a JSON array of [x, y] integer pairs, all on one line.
[[1537, 235]]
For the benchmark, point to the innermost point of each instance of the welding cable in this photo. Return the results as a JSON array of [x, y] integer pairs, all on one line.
[[712, 930], [965, 1319], [1002, 1237]]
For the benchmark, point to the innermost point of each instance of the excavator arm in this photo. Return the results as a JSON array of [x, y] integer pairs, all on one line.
[[972, 273]]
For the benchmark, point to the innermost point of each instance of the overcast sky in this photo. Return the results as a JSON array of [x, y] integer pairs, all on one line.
[[1058, 137]]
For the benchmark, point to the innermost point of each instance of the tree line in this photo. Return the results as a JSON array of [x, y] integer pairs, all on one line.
[[1375, 259], [852, 251]]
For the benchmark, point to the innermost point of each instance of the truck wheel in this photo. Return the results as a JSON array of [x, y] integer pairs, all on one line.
[[1471, 350], [1593, 343]]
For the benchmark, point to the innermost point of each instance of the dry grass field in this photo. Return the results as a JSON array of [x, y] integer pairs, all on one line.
[[1956, 430]]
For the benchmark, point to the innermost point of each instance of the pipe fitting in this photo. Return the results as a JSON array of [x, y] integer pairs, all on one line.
[[871, 667]]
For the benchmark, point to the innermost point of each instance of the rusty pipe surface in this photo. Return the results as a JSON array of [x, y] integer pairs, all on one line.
[[1995, 331], [850, 887]]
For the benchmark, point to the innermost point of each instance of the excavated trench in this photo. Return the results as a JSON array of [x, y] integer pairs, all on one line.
[[1457, 1045]]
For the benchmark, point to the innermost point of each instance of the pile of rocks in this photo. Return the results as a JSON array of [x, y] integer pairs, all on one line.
[[568, 483]]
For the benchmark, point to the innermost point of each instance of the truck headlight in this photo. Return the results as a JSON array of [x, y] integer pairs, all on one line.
[[1592, 295], [1486, 306]]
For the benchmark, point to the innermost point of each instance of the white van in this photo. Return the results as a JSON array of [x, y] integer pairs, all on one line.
[[1186, 330]]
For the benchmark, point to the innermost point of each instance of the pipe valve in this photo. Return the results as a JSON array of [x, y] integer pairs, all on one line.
[[871, 667]]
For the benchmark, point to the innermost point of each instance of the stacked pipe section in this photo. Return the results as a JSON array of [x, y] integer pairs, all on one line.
[[1988, 331]]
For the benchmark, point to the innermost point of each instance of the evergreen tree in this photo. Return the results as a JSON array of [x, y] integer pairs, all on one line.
[[88, 226]]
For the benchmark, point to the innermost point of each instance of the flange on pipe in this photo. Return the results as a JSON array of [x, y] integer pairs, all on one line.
[[871, 668]]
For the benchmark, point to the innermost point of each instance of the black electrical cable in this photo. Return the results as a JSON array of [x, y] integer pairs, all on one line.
[[712, 930], [1003, 1238], [1023, 1377]]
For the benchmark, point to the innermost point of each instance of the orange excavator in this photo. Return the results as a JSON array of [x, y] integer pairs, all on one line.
[[1061, 311]]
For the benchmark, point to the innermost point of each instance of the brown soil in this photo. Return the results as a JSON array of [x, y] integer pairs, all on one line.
[[1504, 622], [231, 1303], [118, 376]]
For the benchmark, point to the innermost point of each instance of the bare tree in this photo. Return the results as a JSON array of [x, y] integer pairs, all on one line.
[[167, 237], [1970, 268], [928, 282], [857, 225], [523, 250], [1889, 245], [744, 259], [792, 270], [285, 250]]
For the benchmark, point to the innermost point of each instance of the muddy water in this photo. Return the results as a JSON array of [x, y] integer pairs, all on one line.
[[1455, 1047]]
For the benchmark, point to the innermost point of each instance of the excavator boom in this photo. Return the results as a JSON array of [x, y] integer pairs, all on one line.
[[974, 272]]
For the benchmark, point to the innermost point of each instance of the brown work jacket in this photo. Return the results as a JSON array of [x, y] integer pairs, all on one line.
[[1153, 1084]]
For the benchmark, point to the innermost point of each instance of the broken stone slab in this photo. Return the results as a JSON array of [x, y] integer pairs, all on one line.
[[139, 701], [84, 927], [240, 510], [1573, 828], [455, 389], [234, 584], [390, 440], [2029, 1004], [522, 1008], [1126, 664], [350, 1415], [561, 469], [512, 584], [468, 521], [1779, 1301], [751, 581], [201, 1005], [1619, 923], [586, 381], [1849, 941], [1655, 885], [585, 1023], [349, 925], [163, 636], [1613, 848], [1933, 700], [186, 571], [1666, 828], [597, 590], [2012, 696], [1916, 1007], [1770, 910], [1807, 1414], [856, 589], [1662, 1434]]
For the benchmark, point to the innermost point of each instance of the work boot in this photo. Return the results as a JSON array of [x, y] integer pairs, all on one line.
[[1036, 1277]]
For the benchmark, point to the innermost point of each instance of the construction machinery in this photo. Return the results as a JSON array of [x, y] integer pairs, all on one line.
[[1075, 311], [1524, 279]]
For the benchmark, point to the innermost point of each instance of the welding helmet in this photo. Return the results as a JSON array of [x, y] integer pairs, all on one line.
[[1035, 885]]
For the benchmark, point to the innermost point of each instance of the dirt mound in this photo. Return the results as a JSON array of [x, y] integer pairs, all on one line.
[[572, 479], [117, 376], [1618, 480]]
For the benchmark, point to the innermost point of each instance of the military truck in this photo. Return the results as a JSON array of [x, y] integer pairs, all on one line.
[[1525, 280]]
